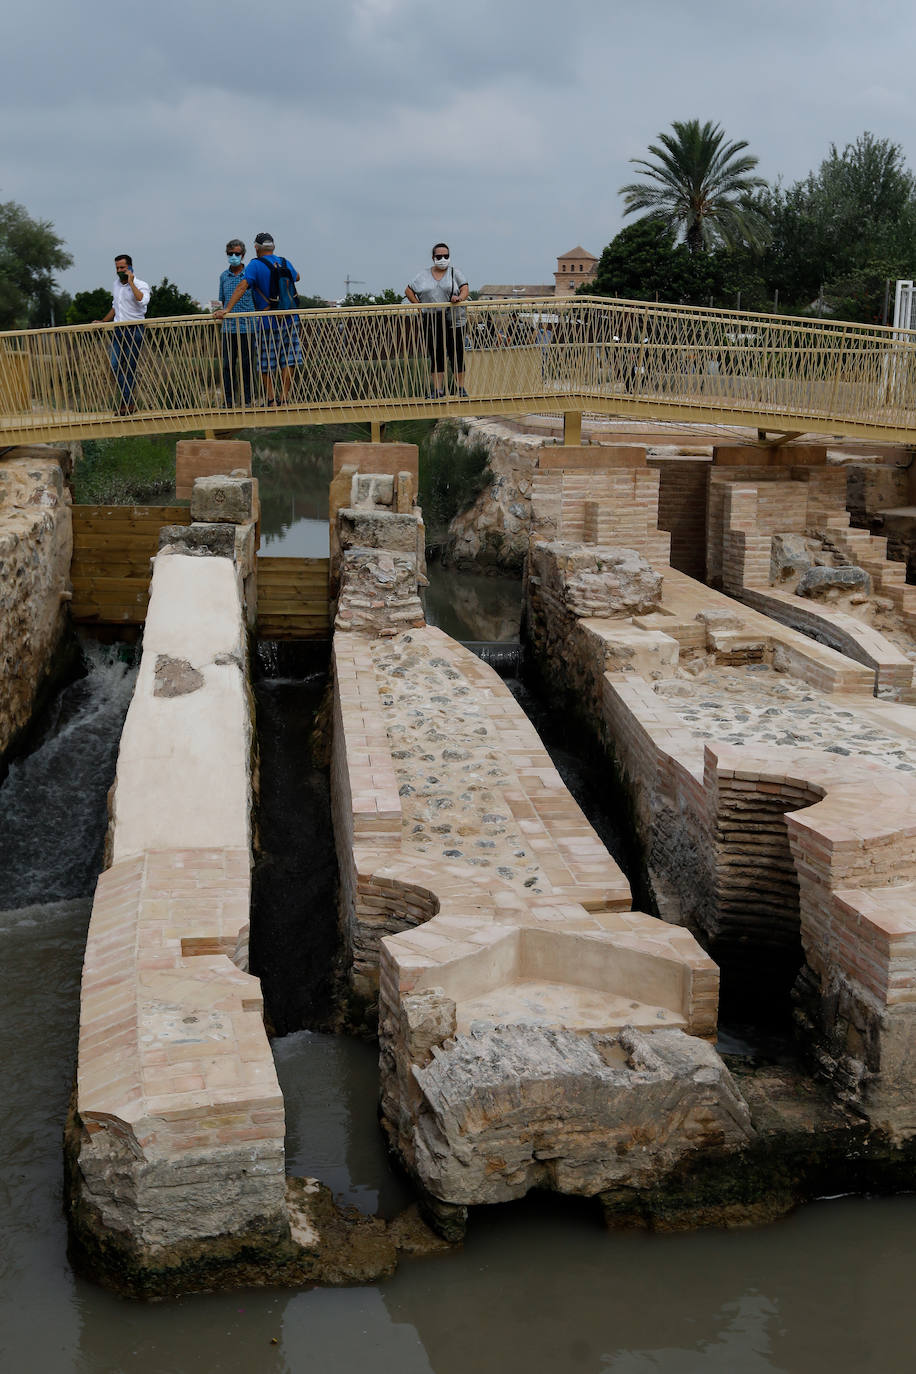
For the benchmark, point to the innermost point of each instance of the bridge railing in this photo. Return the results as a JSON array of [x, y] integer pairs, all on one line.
[[593, 354]]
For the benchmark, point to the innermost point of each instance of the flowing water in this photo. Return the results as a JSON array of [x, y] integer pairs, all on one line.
[[538, 1288]]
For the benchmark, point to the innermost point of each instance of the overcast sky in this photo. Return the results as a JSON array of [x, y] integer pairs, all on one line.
[[358, 131]]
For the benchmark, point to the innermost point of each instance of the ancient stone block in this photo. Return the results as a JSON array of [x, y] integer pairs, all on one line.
[[201, 540], [597, 580], [791, 555], [378, 591], [648, 652], [817, 581], [372, 489], [224, 500], [377, 529], [406, 495], [509, 1108]]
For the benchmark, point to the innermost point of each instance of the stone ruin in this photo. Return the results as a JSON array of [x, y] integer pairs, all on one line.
[[519, 999]]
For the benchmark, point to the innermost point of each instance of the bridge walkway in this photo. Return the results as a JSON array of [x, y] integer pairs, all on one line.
[[599, 356]]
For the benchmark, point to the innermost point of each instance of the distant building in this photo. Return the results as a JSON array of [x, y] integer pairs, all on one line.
[[512, 293], [573, 269]]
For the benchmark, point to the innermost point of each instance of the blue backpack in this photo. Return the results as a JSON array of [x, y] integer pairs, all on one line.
[[281, 293]]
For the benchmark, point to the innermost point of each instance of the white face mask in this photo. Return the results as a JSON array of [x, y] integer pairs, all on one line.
[[440, 262]]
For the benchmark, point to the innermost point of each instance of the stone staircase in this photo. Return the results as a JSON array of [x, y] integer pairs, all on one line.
[[869, 551]]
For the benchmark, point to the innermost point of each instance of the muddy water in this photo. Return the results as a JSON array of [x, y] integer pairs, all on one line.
[[538, 1288]]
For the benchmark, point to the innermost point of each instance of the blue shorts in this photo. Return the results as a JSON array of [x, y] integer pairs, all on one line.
[[280, 346]]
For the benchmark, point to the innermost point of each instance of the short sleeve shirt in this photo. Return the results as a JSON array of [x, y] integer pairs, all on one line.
[[426, 288], [257, 274], [227, 283]]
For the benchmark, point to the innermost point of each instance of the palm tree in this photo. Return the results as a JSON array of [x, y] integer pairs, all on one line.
[[703, 188]]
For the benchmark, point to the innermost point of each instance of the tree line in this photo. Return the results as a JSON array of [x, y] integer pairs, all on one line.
[[711, 232]]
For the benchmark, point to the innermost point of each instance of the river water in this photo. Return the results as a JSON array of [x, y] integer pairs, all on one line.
[[538, 1288]]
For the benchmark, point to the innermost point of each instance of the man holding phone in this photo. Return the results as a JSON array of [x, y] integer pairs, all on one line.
[[129, 301]]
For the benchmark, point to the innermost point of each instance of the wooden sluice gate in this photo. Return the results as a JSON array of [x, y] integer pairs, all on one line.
[[110, 573], [293, 598], [112, 548]]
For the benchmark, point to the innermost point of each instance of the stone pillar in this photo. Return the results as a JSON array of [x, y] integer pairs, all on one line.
[[224, 516], [355, 462]]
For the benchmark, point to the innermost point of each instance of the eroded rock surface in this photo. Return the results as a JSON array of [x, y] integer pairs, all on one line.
[[508, 1108], [36, 545], [592, 580]]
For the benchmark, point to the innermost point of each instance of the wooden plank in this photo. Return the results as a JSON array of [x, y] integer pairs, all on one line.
[[287, 617], [107, 615], [300, 608], [284, 574], [131, 543], [117, 565], [111, 584], [271, 630], [320, 568], [314, 586], [274, 561], [87, 529], [287, 574], [169, 515]]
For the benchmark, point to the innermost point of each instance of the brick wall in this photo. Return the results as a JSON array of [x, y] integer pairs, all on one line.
[[683, 484]]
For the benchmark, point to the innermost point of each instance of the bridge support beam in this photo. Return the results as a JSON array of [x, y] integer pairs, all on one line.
[[572, 427], [376, 431]]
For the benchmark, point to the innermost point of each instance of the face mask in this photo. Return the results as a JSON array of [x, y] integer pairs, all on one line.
[[440, 262], [122, 276], [235, 259]]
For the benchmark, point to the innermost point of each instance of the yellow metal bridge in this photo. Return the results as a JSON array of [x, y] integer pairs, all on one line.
[[591, 355]]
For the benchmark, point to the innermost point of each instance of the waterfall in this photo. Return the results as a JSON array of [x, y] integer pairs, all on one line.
[[53, 813]]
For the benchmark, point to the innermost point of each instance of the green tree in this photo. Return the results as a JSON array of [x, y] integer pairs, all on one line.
[[30, 253], [87, 306], [839, 227], [168, 299], [700, 187], [644, 263], [387, 297]]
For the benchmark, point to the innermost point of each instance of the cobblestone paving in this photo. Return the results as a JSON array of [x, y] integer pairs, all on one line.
[[755, 705], [450, 769]]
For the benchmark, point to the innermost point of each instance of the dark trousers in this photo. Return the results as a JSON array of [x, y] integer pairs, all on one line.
[[237, 349], [126, 343], [444, 339]]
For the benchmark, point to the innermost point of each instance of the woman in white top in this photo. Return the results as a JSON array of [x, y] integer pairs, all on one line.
[[442, 283]]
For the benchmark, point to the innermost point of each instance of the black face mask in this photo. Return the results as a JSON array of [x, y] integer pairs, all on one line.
[[122, 276]]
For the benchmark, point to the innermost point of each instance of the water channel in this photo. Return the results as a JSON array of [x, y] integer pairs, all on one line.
[[538, 1288]]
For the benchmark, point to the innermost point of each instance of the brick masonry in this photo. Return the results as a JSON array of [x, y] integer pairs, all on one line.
[[793, 844]]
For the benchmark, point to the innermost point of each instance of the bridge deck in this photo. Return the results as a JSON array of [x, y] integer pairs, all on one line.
[[603, 356]]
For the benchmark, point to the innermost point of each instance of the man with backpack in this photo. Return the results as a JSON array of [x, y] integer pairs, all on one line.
[[272, 282]]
